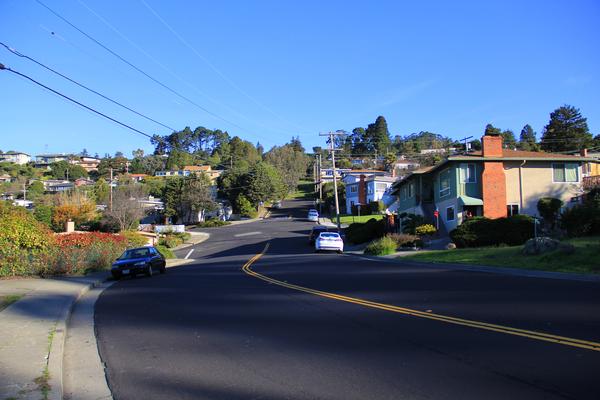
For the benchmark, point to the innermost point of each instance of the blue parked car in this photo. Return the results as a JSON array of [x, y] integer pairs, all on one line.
[[139, 260]]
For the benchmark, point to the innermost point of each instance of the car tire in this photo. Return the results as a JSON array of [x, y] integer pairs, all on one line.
[[339, 251], [116, 277], [163, 269], [149, 271]]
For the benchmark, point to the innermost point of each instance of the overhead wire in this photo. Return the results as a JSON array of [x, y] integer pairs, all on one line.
[[168, 70], [5, 68], [137, 68], [19, 54], [214, 68]]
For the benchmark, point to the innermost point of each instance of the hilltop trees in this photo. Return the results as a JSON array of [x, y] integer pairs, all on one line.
[[291, 159], [567, 130], [527, 139]]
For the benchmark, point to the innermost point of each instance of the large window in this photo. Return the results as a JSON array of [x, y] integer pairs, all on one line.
[[467, 173], [565, 172], [445, 183], [512, 209], [353, 189]]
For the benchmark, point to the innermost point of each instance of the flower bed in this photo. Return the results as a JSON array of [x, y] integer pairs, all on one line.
[[78, 253]]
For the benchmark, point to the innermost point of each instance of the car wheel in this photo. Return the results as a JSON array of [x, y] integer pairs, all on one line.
[[116, 277], [339, 252], [149, 271], [163, 269]]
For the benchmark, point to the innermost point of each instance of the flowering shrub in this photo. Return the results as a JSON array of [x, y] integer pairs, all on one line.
[[425, 230], [82, 252]]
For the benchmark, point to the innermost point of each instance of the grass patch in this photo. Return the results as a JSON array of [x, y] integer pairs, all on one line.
[[349, 219], [306, 190], [586, 258], [7, 300]]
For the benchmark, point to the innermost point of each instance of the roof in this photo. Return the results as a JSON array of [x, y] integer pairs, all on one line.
[[138, 175], [360, 171], [521, 155], [13, 153], [197, 168]]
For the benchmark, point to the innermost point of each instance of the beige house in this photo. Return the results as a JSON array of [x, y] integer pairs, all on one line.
[[15, 157]]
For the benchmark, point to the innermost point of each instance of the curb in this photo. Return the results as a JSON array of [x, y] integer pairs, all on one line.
[[528, 273], [185, 245], [57, 347]]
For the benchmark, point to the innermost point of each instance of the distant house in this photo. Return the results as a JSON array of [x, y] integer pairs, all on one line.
[[494, 183], [367, 189], [16, 157], [438, 151], [44, 160], [5, 178], [138, 177], [88, 163], [56, 185], [83, 182], [405, 165], [193, 169]]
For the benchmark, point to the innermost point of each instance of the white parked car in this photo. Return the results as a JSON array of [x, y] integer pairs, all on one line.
[[329, 241], [313, 215]]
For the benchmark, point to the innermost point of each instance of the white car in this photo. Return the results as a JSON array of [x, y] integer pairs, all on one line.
[[313, 215], [329, 241]]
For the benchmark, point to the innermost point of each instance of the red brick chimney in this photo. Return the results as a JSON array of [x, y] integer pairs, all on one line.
[[583, 152], [362, 191], [493, 180]]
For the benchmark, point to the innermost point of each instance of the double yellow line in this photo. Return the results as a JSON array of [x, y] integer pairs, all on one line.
[[546, 337]]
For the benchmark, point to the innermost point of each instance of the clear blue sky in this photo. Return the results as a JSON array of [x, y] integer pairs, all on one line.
[[280, 68]]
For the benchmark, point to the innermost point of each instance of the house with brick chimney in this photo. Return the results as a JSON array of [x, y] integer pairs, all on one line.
[[494, 182], [367, 188]]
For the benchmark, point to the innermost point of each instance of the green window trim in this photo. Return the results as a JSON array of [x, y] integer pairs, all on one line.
[[444, 180]]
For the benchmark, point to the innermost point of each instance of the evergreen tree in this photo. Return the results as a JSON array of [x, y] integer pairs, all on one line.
[[527, 139], [508, 139], [567, 130], [379, 136], [492, 130]]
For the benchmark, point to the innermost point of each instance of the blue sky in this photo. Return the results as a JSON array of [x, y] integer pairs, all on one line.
[[277, 69]]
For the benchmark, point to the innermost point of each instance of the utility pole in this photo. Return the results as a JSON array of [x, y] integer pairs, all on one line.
[[320, 186], [331, 142], [466, 144], [25, 190], [110, 196]]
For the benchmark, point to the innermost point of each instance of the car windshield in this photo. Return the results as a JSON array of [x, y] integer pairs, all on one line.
[[330, 235], [135, 253]]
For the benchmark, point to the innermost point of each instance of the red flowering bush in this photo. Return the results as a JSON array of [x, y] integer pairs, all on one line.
[[78, 253]]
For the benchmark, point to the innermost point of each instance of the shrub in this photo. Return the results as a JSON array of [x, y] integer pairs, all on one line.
[[134, 239], [213, 223], [481, 231], [381, 246], [376, 207], [405, 240], [170, 241], [23, 241], [166, 252], [246, 208], [425, 230], [548, 207], [584, 219], [410, 222], [43, 214], [364, 232], [78, 253]]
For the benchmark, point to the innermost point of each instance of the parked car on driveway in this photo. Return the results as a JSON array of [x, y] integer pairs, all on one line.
[[313, 215], [139, 260], [329, 241]]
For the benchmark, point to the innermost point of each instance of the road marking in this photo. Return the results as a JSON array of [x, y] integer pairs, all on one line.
[[188, 254], [546, 337], [247, 234]]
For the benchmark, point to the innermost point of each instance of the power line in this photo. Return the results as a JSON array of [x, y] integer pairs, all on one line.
[[2, 67], [214, 68], [83, 86], [137, 68]]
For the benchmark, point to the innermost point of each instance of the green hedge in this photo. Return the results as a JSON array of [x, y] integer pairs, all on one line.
[[212, 223], [166, 252], [365, 232], [481, 231]]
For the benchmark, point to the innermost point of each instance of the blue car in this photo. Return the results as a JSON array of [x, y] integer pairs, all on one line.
[[139, 260]]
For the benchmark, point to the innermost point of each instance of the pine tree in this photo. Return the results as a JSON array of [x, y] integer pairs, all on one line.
[[567, 130], [527, 140], [379, 135], [508, 139]]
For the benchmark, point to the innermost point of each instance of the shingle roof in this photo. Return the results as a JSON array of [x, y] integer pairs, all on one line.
[[520, 154]]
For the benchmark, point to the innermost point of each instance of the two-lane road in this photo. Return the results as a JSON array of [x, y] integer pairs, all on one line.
[[209, 330]]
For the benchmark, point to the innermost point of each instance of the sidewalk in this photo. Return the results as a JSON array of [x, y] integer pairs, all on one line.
[[33, 332]]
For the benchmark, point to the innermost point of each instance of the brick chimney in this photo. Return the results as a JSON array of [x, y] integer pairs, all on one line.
[[362, 190], [583, 152], [491, 145], [493, 180]]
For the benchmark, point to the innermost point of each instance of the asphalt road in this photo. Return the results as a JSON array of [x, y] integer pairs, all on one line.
[[209, 330]]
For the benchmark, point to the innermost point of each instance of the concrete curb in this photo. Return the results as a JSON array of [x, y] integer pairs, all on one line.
[[204, 237], [482, 268], [57, 347]]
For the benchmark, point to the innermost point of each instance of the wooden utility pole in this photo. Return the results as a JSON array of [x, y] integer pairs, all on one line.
[[332, 150], [110, 195]]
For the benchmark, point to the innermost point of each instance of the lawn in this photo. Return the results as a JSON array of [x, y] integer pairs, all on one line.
[[348, 219], [306, 190], [586, 258]]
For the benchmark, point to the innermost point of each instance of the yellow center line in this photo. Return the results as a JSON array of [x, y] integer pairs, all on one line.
[[547, 337]]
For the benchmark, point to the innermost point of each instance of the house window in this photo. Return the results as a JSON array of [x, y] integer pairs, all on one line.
[[512, 209], [403, 193], [445, 183], [467, 173], [411, 189], [380, 187], [353, 189], [565, 172], [370, 190], [450, 214]]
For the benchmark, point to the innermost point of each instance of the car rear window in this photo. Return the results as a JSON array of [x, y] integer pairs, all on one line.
[[330, 235]]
